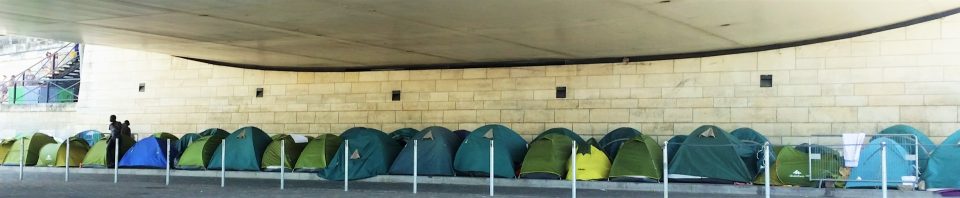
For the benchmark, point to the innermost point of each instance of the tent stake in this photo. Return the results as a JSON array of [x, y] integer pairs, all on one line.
[[666, 167], [66, 171], [346, 165], [283, 155], [573, 159], [491, 167], [116, 159], [766, 169], [223, 162], [883, 168], [167, 181], [415, 145]]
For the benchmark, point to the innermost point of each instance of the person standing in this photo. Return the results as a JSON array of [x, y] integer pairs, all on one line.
[[125, 131], [115, 133]]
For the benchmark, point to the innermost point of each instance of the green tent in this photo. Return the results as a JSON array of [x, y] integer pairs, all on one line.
[[639, 159], [611, 142], [181, 144], [753, 142], [774, 177], [245, 147], [54, 154], [32, 143], [293, 144], [5, 145], [371, 153], [318, 153], [547, 157], [98, 155], [198, 153], [473, 156], [904, 135], [710, 154]]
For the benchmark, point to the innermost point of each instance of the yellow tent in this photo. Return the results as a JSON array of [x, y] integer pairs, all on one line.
[[593, 165]]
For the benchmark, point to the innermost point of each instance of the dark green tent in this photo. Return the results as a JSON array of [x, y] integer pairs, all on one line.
[[198, 153], [473, 156], [673, 145], [710, 154], [611, 142], [99, 155], [753, 142], [435, 150], [55, 154], [640, 159], [245, 148], [293, 145], [318, 153], [547, 157], [371, 153], [904, 135], [32, 143], [404, 135]]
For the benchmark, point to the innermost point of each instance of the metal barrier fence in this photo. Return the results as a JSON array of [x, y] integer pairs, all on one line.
[[831, 147], [43, 91]]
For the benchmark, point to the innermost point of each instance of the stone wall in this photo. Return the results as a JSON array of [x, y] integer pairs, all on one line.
[[861, 84]]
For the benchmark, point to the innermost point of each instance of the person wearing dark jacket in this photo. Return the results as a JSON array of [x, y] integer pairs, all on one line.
[[115, 133], [125, 131]]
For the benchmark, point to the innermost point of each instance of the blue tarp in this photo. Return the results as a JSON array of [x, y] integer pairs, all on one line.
[[867, 172], [149, 152]]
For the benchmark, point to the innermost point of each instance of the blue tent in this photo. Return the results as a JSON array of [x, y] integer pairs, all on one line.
[[435, 151], [904, 134], [941, 168], [90, 136], [150, 152], [867, 172]]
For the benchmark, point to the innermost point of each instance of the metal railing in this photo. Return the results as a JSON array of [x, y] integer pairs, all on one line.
[[831, 146], [43, 91]]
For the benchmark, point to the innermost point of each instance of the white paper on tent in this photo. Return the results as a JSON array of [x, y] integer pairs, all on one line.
[[299, 138], [489, 134], [852, 143], [355, 155], [429, 135]]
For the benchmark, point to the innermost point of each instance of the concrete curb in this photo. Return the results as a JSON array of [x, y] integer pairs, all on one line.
[[746, 190]]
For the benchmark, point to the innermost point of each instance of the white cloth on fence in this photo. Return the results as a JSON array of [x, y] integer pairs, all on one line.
[[852, 143]]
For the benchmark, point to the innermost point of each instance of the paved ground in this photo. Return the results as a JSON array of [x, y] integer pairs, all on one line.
[[97, 185]]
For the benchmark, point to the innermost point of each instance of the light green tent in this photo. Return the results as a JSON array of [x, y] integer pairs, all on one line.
[[548, 154], [98, 155], [5, 145], [640, 159], [32, 143], [244, 152], [318, 153], [55, 154], [198, 153], [293, 144]]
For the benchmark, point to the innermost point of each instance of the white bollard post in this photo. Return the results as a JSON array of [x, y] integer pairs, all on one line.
[[116, 159], [223, 162], [883, 168], [346, 165], [666, 166], [415, 145], [573, 159], [766, 169], [66, 169], [22, 158], [167, 180], [491, 167], [283, 158]]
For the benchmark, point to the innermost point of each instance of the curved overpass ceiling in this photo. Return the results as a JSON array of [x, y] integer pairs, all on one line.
[[404, 34]]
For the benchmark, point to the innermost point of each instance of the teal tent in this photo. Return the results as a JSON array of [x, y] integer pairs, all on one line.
[[90, 136], [610, 143], [371, 153], [473, 156], [753, 143], [435, 149], [673, 145], [404, 135], [245, 148], [710, 154], [867, 173], [941, 168], [904, 135]]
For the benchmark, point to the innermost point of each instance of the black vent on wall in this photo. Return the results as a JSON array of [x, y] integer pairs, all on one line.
[[766, 80], [395, 95], [259, 92], [561, 92], [143, 87]]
